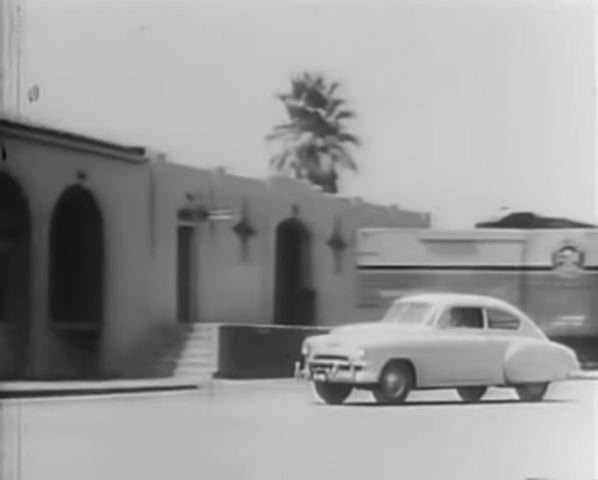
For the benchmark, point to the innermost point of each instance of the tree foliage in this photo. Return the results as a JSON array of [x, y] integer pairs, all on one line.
[[314, 143]]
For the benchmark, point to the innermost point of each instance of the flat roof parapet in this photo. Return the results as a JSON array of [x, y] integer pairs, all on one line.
[[43, 134], [489, 235]]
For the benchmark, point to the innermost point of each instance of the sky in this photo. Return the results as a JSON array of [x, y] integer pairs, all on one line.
[[463, 106]]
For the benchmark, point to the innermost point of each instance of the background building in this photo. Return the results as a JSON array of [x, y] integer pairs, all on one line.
[[552, 274]]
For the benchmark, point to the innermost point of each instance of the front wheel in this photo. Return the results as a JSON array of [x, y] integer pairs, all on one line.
[[471, 394], [395, 384], [532, 392], [333, 393]]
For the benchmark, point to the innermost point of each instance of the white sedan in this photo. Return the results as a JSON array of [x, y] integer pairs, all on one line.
[[434, 341]]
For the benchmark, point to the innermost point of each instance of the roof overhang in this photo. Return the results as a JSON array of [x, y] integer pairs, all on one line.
[[73, 141]]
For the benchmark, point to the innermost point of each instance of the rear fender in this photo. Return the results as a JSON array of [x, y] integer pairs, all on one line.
[[533, 361]]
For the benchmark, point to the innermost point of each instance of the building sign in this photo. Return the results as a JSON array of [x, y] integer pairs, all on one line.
[[568, 261], [575, 321]]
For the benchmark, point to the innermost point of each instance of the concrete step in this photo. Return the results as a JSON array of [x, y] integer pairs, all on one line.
[[198, 326], [206, 362], [188, 351], [193, 373], [199, 336], [182, 350], [190, 364], [195, 351], [193, 343], [195, 363]]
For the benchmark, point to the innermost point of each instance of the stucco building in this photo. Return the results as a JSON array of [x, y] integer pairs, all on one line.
[[104, 248]]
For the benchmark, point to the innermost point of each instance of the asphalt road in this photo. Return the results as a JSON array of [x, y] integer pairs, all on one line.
[[277, 431]]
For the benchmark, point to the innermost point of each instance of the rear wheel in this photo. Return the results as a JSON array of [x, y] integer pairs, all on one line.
[[395, 383], [333, 393], [471, 394], [532, 392]]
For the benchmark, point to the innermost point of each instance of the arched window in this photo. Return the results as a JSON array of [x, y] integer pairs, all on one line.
[[14, 251], [77, 261]]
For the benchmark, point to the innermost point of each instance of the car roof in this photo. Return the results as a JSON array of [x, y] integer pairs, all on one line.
[[447, 298]]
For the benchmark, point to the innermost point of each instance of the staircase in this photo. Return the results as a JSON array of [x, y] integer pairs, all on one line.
[[185, 351], [193, 354]]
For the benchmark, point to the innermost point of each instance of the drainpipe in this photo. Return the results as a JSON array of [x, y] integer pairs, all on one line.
[[524, 276]]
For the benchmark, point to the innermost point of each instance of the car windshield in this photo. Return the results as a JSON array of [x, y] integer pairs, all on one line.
[[408, 313]]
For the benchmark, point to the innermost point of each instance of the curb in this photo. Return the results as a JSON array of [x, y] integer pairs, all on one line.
[[23, 390], [584, 375], [55, 389]]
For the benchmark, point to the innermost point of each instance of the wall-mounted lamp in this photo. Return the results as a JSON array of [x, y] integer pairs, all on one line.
[[81, 176], [196, 212], [338, 245], [245, 231]]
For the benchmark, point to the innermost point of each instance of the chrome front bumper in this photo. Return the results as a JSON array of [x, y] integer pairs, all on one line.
[[330, 371]]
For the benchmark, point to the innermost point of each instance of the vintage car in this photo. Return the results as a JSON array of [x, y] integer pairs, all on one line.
[[437, 341]]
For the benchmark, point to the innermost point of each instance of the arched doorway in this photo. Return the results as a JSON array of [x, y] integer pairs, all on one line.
[[15, 251], [293, 299], [77, 277]]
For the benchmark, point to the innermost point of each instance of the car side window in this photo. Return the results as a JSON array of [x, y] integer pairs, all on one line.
[[501, 320], [462, 317]]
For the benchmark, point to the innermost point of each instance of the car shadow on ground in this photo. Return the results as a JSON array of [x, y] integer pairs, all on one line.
[[450, 403]]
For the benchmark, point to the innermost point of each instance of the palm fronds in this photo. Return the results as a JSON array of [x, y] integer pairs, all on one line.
[[314, 143]]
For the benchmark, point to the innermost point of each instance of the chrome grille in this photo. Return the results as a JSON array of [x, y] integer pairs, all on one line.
[[332, 358], [327, 363]]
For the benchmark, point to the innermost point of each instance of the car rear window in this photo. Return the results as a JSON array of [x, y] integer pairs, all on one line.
[[466, 317], [501, 320]]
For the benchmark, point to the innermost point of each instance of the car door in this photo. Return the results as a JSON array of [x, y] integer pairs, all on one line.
[[459, 352], [502, 330]]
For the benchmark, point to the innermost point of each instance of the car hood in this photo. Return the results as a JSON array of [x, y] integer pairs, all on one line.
[[377, 332]]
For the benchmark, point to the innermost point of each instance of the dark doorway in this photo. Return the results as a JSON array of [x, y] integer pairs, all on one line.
[[77, 276], [293, 300], [15, 250], [185, 273], [77, 260]]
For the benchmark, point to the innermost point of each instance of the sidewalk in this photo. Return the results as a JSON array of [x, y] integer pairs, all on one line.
[[585, 375], [28, 389], [32, 389]]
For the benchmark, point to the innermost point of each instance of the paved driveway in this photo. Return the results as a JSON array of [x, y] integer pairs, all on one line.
[[275, 430]]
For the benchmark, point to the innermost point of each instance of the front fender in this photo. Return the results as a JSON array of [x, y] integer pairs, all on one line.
[[313, 341], [529, 362]]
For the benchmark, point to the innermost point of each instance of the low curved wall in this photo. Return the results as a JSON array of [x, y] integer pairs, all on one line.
[[253, 351], [268, 352]]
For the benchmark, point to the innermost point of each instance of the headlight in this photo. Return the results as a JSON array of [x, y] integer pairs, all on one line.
[[305, 349], [359, 355]]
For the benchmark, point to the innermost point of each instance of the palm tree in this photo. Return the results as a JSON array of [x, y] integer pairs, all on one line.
[[314, 144]]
